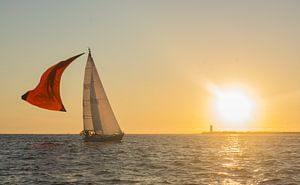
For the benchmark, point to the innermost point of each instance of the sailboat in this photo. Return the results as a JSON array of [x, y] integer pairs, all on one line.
[[99, 121]]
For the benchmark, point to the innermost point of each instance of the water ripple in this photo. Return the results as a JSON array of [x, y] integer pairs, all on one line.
[[151, 159]]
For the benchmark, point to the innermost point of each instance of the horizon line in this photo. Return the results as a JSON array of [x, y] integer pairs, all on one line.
[[205, 132]]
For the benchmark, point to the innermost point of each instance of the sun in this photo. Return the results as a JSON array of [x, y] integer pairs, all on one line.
[[233, 107]]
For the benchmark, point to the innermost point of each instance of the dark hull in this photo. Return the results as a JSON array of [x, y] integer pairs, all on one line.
[[100, 138]]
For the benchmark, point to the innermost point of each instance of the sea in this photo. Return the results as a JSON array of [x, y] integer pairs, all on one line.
[[151, 159]]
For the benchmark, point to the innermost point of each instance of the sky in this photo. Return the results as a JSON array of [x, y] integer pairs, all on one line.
[[157, 61]]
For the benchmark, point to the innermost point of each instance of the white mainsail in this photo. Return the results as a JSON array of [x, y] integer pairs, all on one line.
[[97, 112]]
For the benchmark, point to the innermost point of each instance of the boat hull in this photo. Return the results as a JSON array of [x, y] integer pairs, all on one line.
[[100, 138]]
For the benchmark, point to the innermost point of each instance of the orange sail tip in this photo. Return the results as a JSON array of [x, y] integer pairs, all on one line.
[[63, 110], [47, 93], [24, 96]]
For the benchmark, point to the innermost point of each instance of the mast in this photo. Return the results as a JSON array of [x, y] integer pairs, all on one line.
[[87, 115]]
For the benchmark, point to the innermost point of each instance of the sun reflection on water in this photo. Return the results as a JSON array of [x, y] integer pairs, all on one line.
[[231, 153], [232, 146]]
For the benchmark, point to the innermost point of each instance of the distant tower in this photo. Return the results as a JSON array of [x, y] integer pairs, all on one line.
[[211, 128]]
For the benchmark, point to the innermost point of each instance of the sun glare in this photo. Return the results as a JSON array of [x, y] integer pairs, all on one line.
[[233, 107]]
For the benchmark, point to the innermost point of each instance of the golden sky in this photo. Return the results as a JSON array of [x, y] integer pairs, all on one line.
[[156, 59]]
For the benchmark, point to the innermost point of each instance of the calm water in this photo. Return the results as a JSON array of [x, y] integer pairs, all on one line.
[[151, 159]]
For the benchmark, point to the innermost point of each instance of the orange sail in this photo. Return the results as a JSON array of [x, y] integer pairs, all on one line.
[[46, 94]]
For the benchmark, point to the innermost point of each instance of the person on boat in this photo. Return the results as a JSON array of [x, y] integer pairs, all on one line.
[[87, 133]]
